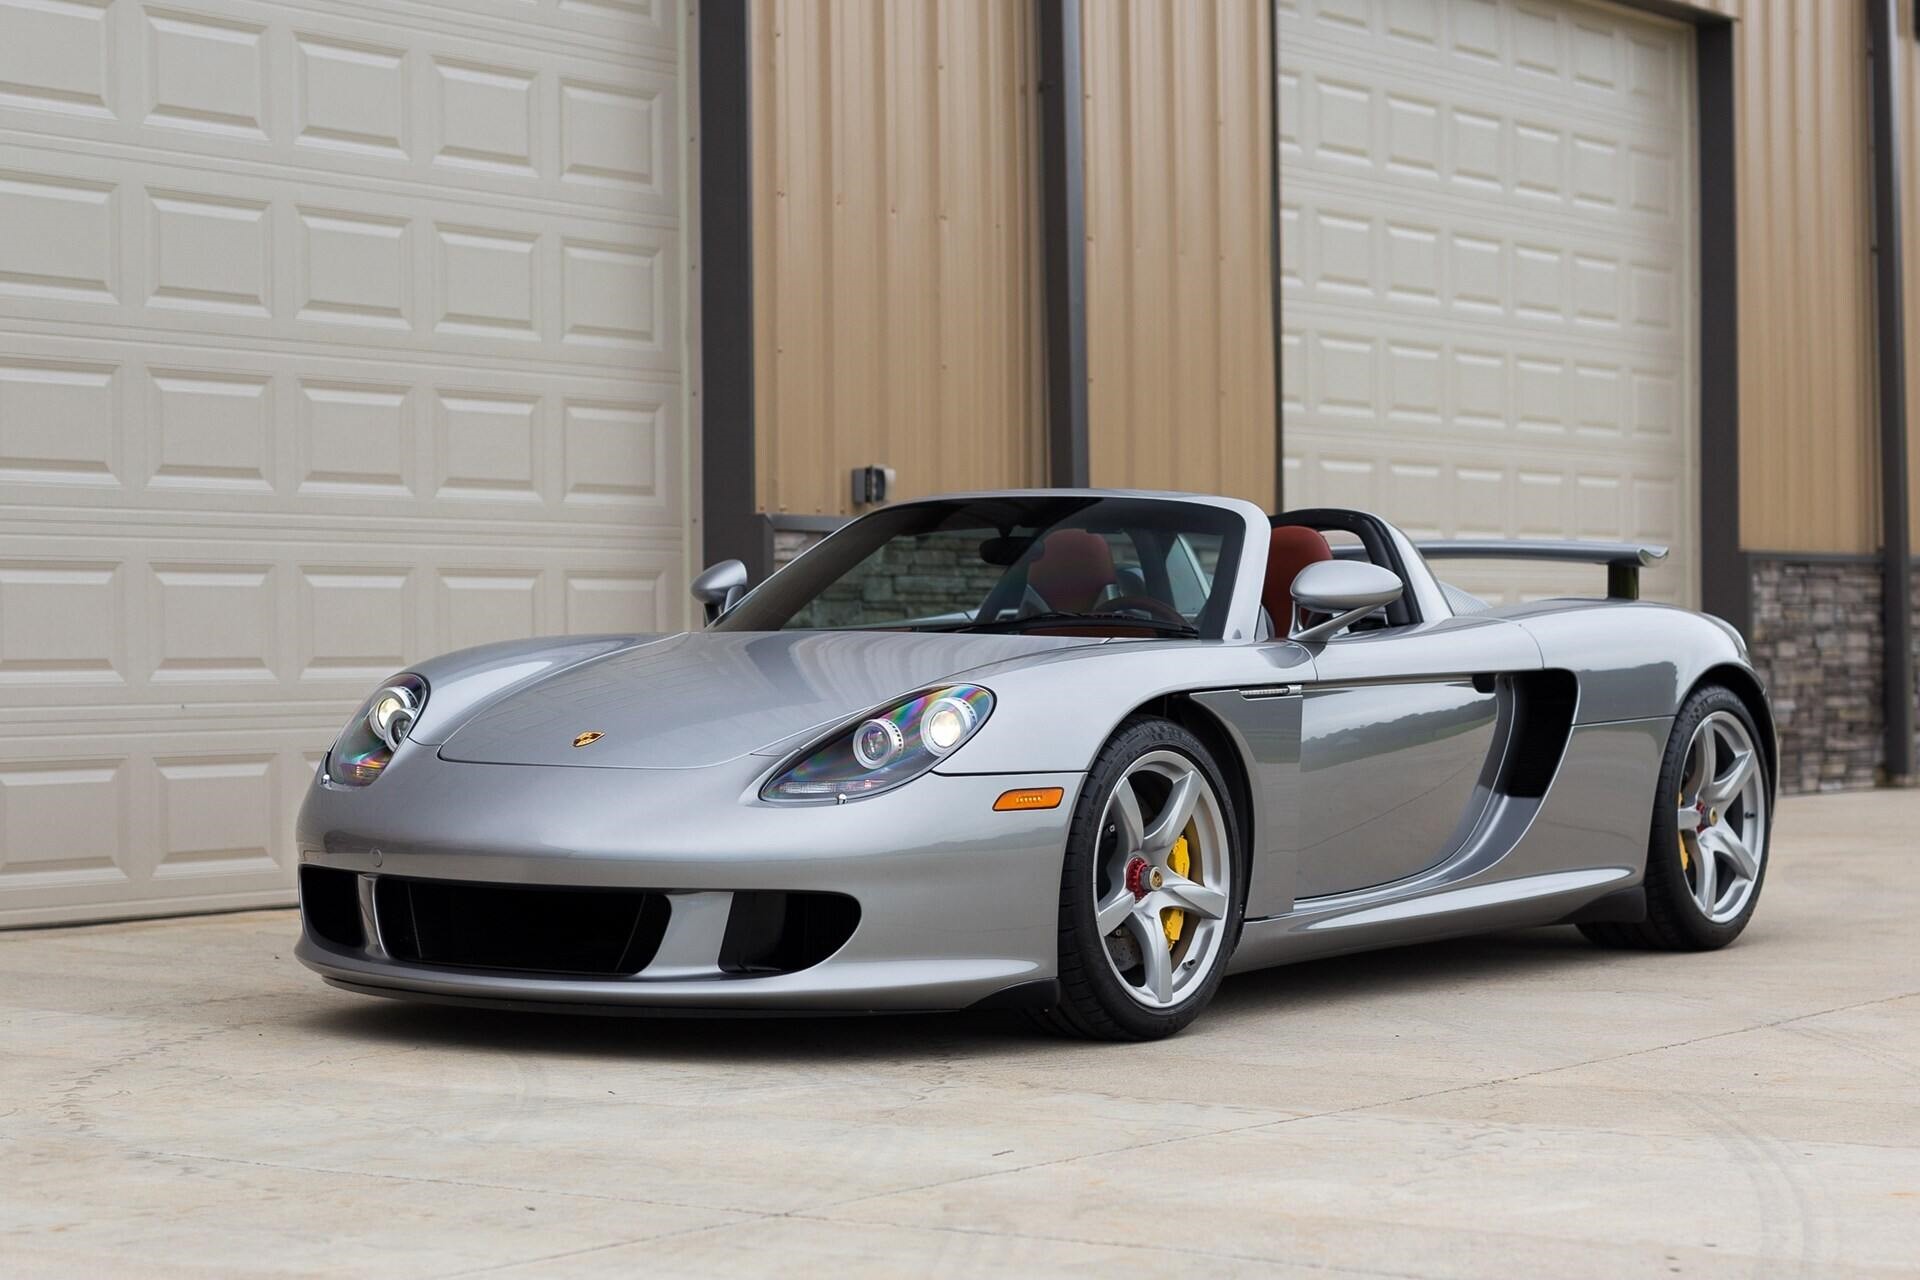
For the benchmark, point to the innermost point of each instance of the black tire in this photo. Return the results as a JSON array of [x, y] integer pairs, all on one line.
[[1094, 1004], [1675, 921]]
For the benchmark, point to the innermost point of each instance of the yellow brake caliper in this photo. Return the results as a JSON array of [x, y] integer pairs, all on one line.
[[1683, 842], [1173, 919]]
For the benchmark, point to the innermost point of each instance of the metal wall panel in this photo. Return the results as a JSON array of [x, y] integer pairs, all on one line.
[[1178, 207], [1909, 106], [328, 340], [895, 248], [1808, 456]]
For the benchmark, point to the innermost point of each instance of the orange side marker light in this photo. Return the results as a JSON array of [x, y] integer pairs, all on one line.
[[1031, 798]]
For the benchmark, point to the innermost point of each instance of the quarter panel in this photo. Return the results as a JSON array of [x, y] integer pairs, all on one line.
[[1599, 812], [1634, 660]]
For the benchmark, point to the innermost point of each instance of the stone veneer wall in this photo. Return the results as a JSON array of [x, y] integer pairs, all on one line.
[[1817, 644], [789, 543]]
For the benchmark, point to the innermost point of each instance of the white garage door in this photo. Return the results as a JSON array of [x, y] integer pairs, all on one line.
[[331, 336], [1487, 243]]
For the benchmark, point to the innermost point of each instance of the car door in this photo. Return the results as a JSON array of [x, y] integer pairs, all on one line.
[[1398, 739]]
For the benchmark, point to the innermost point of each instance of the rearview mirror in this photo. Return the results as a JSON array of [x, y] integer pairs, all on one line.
[[720, 587], [1347, 589]]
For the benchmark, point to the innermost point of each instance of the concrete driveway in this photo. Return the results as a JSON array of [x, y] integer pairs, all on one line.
[[180, 1098]]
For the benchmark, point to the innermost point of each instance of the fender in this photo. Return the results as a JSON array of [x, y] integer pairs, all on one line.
[[1053, 714]]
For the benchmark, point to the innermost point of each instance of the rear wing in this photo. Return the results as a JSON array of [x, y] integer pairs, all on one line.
[[1624, 560]]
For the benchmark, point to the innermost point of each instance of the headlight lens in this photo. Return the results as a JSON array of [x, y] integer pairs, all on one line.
[[948, 722], [885, 750], [366, 745]]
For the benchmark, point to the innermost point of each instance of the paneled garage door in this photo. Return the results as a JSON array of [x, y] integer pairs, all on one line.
[[331, 336], [1488, 245]]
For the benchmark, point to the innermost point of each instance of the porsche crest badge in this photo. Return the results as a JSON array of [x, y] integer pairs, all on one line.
[[588, 738]]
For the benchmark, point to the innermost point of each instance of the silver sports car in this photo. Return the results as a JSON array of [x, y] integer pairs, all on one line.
[[1083, 753]]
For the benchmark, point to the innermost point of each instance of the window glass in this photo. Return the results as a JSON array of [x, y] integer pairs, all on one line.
[[1080, 563], [910, 578], [1190, 563]]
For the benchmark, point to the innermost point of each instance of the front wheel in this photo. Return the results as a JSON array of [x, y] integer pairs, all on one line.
[[1152, 888], [1712, 821]]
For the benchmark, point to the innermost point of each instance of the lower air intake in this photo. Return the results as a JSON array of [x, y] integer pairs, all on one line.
[[330, 906], [770, 931], [523, 929]]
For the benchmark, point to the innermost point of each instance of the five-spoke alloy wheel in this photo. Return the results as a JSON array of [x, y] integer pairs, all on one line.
[[1152, 887], [1722, 816], [1707, 855], [1163, 878]]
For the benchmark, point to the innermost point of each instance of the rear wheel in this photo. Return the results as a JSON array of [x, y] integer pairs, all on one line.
[[1152, 888], [1707, 856]]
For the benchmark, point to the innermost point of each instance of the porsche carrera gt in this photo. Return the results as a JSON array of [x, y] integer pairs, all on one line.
[[1083, 753]]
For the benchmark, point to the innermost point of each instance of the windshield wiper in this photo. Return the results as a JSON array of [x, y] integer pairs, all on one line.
[[1060, 618]]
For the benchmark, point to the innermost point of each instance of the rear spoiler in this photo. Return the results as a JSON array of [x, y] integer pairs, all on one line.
[[1624, 560]]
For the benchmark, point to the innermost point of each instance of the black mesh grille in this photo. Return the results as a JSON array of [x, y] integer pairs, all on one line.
[[516, 928]]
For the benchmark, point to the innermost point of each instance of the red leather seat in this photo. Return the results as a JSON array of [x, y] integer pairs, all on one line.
[[1072, 571], [1290, 548]]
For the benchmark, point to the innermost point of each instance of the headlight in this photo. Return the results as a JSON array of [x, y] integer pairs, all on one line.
[[885, 750], [376, 731]]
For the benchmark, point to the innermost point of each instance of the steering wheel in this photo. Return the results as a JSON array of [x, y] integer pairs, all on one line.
[[1148, 605]]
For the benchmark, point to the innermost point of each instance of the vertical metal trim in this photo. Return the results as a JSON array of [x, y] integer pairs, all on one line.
[[696, 927], [1896, 558], [727, 482], [1277, 269], [374, 945], [1726, 587], [1063, 242]]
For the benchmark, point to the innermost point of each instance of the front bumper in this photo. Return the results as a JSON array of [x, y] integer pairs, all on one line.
[[958, 904]]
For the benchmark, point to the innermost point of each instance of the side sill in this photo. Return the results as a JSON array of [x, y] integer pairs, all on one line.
[[1041, 993], [1623, 906]]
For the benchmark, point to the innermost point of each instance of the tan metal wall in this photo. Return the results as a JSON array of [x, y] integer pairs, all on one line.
[[895, 247], [897, 253], [1179, 302], [1808, 430]]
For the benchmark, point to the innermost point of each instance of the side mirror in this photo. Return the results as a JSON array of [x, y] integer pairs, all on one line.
[[720, 587], [1347, 589]]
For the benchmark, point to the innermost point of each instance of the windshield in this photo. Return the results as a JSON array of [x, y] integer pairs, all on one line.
[[1062, 565]]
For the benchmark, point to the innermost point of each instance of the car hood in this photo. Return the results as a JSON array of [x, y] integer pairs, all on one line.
[[694, 700]]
